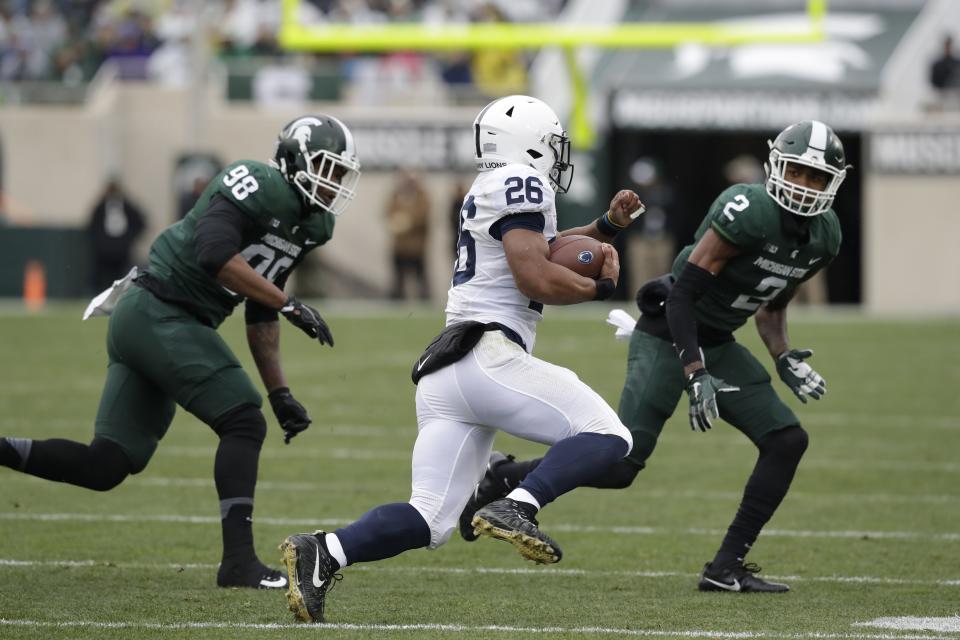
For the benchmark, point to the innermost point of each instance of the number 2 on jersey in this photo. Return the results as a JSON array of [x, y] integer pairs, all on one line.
[[739, 203], [752, 303]]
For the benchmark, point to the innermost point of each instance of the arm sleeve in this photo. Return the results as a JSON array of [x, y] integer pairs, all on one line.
[[254, 312], [534, 221], [691, 284], [219, 234]]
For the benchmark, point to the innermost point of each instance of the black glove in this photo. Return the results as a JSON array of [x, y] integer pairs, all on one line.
[[307, 319], [703, 389], [290, 414]]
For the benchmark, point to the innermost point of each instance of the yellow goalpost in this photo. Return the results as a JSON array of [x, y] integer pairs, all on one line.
[[331, 38]]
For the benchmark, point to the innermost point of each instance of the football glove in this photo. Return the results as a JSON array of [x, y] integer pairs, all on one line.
[[798, 375], [702, 388], [307, 319], [291, 415]]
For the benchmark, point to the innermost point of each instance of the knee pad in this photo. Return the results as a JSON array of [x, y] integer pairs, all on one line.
[[245, 422], [109, 465], [788, 444], [617, 476]]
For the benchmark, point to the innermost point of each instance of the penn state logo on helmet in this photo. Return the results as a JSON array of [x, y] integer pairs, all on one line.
[[318, 157]]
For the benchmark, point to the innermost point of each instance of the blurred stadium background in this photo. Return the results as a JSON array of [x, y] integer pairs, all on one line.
[[158, 93]]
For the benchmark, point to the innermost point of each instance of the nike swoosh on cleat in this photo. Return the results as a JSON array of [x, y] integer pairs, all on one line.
[[723, 585], [268, 583], [317, 582], [423, 362]]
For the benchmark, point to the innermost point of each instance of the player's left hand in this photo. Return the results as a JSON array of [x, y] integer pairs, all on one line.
[[307, 319], [799, 376], [291, 415], [625, 207]]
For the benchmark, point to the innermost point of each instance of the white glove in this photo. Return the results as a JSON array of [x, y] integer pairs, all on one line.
[[624, 323]]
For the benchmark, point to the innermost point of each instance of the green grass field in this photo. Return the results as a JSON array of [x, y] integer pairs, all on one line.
[[870, 530]]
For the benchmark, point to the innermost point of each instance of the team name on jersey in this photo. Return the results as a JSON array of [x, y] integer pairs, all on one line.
[[491, 164], [282, 245], [780, 269]]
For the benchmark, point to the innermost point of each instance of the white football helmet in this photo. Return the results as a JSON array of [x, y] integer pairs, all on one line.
[[521, 129]]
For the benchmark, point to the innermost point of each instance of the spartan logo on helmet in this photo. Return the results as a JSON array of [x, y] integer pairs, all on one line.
[[813, 144], [317, 155], [521, 129]]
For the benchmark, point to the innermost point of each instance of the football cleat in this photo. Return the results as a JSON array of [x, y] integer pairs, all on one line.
[[739, 578], [506, 519], [490, 488], [253, 575], [311, 573]]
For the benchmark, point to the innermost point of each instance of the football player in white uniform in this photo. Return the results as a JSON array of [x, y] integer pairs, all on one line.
[[478, 376]]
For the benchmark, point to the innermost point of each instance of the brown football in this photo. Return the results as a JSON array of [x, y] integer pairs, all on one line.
[[578, 253]]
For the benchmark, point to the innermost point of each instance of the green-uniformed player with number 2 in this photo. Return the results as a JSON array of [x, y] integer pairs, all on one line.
[[252, 225], [757, 244]]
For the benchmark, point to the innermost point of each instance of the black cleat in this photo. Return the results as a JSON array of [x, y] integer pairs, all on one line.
[[490, 488], [506, 519], [252, 575], [312, 572], [737, 577]]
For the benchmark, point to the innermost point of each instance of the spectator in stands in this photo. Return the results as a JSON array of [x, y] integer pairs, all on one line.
[[408, 215], [945, 70], [498, 72], [115, 224]]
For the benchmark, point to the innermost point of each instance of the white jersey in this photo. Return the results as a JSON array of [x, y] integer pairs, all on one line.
[[483, 288]]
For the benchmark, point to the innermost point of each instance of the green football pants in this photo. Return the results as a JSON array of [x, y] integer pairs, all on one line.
[[654, 385], [160, 356]]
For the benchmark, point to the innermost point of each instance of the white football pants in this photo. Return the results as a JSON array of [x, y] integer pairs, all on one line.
[[497, 386]]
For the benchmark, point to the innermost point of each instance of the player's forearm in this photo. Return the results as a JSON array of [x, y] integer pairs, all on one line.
[[556, 285], [772, 328], [239, 277], [264, 341], [693, 282]]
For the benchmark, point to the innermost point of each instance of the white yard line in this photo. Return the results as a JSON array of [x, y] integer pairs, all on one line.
[[552, 572], [570, 528], [911, 623], [659, 494], [461, 629]]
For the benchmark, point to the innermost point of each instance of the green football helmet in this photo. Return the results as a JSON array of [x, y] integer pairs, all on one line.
[[813, 144], [318, 157]]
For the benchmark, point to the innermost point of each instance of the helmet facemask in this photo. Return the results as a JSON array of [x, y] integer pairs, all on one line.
[[318, 180], [795, 198], [561, 173], [317, 156]]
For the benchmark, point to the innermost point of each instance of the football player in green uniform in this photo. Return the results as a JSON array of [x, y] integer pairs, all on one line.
[[756, 245], [249, 229]]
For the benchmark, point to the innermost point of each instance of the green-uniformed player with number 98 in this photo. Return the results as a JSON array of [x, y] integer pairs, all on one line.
[[756, 245], [252, 225]]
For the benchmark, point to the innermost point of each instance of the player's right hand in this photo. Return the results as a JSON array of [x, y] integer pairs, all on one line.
[[307, 319], [702, 388], [611, 263]]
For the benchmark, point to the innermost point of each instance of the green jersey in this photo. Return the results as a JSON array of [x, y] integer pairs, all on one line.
[[283, 232], [779, 251]]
